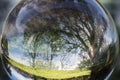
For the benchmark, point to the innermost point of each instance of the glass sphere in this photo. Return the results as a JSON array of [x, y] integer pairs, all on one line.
[[58, 39]]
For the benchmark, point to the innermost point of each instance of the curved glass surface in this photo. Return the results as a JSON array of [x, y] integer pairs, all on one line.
[[58, 39]]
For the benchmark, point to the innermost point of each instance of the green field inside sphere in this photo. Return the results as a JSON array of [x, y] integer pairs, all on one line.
[[59, 41], [50, 74]]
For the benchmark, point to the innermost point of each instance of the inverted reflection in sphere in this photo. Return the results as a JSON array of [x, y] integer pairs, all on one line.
[[58, 39]]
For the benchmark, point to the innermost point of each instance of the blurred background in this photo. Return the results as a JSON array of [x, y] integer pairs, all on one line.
[[5, 7], [113, 7]]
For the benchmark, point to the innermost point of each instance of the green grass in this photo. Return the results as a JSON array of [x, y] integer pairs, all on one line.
[[50, 74]]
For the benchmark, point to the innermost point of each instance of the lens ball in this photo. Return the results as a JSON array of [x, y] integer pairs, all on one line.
[[58, 39]]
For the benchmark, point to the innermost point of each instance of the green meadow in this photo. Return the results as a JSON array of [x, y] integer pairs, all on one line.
[[50, 74]]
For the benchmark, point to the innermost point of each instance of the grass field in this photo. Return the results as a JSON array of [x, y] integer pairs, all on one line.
[[50, 74]]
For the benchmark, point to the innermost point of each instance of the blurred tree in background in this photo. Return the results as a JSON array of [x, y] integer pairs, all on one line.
[[113, 7]]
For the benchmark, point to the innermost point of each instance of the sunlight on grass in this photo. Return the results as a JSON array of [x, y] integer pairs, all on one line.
[[50, 74]]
